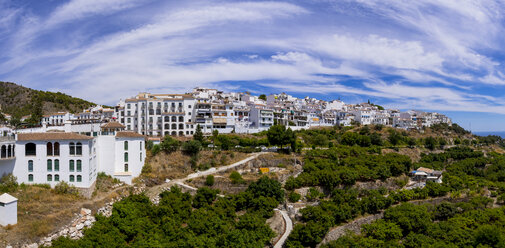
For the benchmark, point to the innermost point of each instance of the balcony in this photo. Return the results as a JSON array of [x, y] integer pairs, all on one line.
[[7, 144]]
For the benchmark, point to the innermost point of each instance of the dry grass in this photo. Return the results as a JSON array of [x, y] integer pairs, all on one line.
[[178, 165]]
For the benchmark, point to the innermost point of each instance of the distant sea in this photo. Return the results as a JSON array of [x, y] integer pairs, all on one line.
[[501, 134]]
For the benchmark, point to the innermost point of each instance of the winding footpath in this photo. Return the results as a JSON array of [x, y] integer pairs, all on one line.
[[156, 190], [289, 227]]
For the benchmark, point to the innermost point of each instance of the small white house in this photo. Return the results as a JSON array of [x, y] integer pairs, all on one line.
[[8, 210]]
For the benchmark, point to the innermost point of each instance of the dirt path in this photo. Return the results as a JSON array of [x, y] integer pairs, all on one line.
[[287, 230], [153, 192]]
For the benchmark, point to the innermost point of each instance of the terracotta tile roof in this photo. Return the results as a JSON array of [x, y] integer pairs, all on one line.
[[113, 124], [52, 136], [129, 135]]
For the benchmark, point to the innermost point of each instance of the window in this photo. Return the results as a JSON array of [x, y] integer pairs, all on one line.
[[181, 119], [125, 167], [79, 178], [71, 178], [79, 166], [30, 149], [56, 165], [49, 165], [78, 148], [49, 177], [49, 148], [126, 157], [140, 145], [56, 149], [140, 157], [126, 145], [30, 177], [71, 166], [174, 119], [56, 178], [30, 165], [72, 148]]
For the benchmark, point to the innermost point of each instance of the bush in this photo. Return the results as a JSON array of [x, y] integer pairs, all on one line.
[[8, 183], [209, 181], [192, 147], [64, 188], [294, 197], [155, 149], [236, 178]]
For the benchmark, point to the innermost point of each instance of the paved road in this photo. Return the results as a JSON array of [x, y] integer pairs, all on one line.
[[156, 190], [288, 229]]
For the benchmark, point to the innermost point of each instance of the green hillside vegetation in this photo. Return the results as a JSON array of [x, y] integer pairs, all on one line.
[[181, 220], [353, 157], [466, 224], [20, 101]]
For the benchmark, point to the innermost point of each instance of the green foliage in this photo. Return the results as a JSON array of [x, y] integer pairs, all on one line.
[[279, 135], [192, 147], [149, 145], [267, 187], [8, 183], [293, 196], [209, 180], [64, 188], [170, 144], [198, 135], [263, 97], [236, 178], [181, 221], [155, 149]]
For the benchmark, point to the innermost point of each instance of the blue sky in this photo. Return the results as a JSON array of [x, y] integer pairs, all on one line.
[[444, 56]]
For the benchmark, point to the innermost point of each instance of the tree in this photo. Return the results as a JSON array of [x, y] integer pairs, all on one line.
[[198, 136], [268, 188], [430, 143], [170, 144], [279, 135], [192, 147], [263, 97]]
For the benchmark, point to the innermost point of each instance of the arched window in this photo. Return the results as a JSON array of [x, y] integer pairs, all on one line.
[[174, 133], [167, 119], [4, 152], [126, 145], [125, 167], [78, 149], [174, 119], [181, 126], [126, 157], [181, 119], [167, 126], [30, 149], [49, 177], [158, 111], [174, 126], [71, 178], [71, 165], [56, 149], [30, 165], [30, 177], [151, 111], [9, 151], [79, 165], [49, 148], [49, 165], [166, 133], [79, 178], [72, 148], [56, 178], [56, 165], [181, 133]]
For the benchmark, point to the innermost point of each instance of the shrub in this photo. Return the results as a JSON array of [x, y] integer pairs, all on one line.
[[209, 181], [8, 183], [236, 178], [294, 197], [64, 188], [192, 147], [155, 149]]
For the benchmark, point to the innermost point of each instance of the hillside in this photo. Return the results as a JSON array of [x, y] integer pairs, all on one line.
[[18, 100]]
